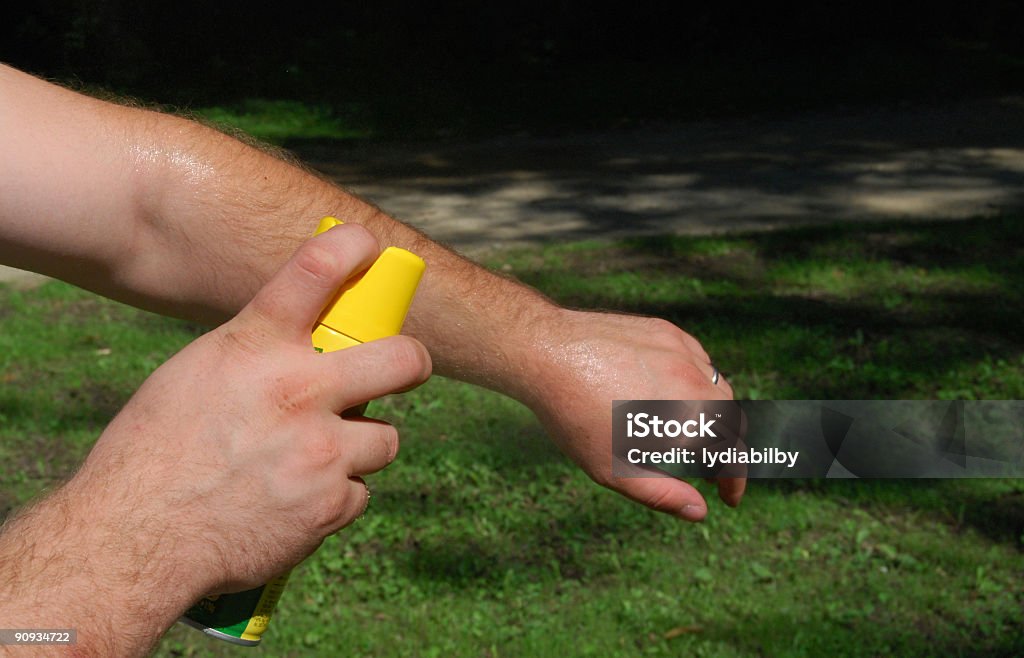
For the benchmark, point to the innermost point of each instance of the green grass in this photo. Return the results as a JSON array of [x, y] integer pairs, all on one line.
[[889, 310], [277, 121], [483, 541]]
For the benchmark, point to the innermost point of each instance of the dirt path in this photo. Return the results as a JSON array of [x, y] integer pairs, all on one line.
[[954, 161], [951, 161]]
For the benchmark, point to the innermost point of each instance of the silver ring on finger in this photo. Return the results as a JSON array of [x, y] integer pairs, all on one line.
[[366, 506], [714, 375]]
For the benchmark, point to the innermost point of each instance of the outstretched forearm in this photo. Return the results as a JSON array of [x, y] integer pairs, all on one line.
[[567, 366], [170, 215], [247, 211]]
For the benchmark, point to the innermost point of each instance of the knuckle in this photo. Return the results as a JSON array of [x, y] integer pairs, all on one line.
[[665, 333], [320, 450], [662, 326], [687, 372], [410, 356], [318, 261], [661, 500], [360, 233], [358, 241], [262, 315], [664, 329], [693, 345], [671, 336]]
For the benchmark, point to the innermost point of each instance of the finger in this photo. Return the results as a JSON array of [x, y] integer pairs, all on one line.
[[730, 490], [667, 495], [701, 373], [694, 346], [355, 494], [366, 372], [722, 384], [293, 299], [362, 498], [367, 445]]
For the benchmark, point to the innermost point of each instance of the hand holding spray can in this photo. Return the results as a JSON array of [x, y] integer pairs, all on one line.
[[369, 306]]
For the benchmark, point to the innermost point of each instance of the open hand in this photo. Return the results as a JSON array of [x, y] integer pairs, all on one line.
[[595, 358]]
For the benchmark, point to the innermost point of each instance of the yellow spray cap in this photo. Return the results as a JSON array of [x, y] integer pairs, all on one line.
[[326, 223], [374, 304]]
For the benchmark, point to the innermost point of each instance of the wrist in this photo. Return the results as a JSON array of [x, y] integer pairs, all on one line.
[[151, 557], [545, 346]]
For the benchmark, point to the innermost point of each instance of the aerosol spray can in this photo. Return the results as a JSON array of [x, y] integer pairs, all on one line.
[[369, 306]]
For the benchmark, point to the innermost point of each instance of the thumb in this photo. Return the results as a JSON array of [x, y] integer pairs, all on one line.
[[290, 303], [664, 494]]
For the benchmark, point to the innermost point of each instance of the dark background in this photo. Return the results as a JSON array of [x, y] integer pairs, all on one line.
[[455, 68]]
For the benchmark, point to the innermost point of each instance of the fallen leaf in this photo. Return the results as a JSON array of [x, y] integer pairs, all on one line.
[[681, 630]]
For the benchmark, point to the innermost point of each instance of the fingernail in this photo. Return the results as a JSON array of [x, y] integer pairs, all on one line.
[[693, 512]]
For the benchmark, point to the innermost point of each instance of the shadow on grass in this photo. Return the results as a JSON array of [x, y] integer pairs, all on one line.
[[913, 302], [820, 344], [994, 508], [873, 633]]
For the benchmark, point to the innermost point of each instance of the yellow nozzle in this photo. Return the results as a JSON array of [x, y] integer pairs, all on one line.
[[370, 305], [326, 223]]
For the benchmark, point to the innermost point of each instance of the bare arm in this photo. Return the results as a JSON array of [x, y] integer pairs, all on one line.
[[227, 467], [169, 215], [55, 573]]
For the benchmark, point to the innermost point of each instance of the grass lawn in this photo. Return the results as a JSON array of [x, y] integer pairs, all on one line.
[[275, 121], [483, 541]]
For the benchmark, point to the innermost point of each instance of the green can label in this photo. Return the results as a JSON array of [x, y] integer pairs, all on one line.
[[242, 617]]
